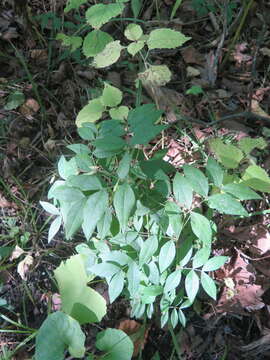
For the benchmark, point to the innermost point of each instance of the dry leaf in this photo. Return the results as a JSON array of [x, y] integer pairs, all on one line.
[[136, 332], [29, 108], [16, 253], [24, 265]]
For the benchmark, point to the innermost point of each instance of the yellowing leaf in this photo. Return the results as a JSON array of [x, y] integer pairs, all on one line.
[[119, 113], [95, 42], [156, 75], [91, 112], [133, 32], [166, 39], [109, 55], [74, 41], [99, 14], [135, 47], [111, 96]]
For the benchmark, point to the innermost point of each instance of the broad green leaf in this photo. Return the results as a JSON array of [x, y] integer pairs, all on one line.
[[215, 263], [248, 144], [172, 281], [195, 90], [14, 100], [166, 255], [154, 273], [99, 14], [201, 227], [74, 218], [104, 224], [90, 112], [135, 47], [155, 76], [94, 209], [115, 343], [50, 208], [142, 124], [73, 4], [124, 201], [124, 165], [185, 251], [229, 155], [95, 42], [174, 318], [87, 131], [54, 228], [241, 191], [148, 249], [120, 112], [73, 41], [182, 317], [109, 143], [66, 193], [153, 167], [116, 256], [175, 219], [257, 178], [111, 96], [209, 285], [133, 32], [182, 191], [215, 171], [226, 204], [109, 55], [166, 39], [116, 286], [85, 182], [67, 168], [111, 128], [78, 300], [84, 163], [104, 269], [201, 257], [152, 290], [58, 333], [196, 179], [192, 283], [79, 148], [136, 6], [134, 278]]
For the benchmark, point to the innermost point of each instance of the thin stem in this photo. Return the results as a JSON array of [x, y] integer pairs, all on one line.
[[175, 342]]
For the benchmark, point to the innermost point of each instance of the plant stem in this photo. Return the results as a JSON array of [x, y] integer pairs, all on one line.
[[175, 342]]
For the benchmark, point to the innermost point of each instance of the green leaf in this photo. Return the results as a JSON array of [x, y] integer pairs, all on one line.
[[120, 112], [133, 32], [152, 168], [195, 90], [104, 224], [257, 178], [197, 180], [73, 4], [87, 131], [148, 249], [123, 201], [215, 171], [155, 76], [135, 47], [79, 148], [248, 144], [124, 166], [136, 6], [192, 283], [172, 281], [175, 219], [109, 55], [229, 155], [182, 191], [104, 269], [111, 96], [95, 42], [99, 14], [166, 39], [67, 168], [74, 218], [54, 228], [50, 208], [90, 112], [226, 204], [201, 257], [166, 255], [73, 41], [14, 100], [174, 318], [241, 191], [66, 193], [152, 290], [154, 273], [209, 285], [110, 143], [164, 319], [182, 317], [57, 333], [111, 128], [201, 227], [85, 182], [134, 278], [94, 209], [215, 263], [115, 343], [141, 121], [78, 300], [116, 286]]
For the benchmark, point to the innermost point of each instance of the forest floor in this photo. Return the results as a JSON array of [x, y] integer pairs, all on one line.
[[42, 88]]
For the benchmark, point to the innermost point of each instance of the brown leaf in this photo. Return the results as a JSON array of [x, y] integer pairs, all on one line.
[[192, 56], [136, 332], [24, 265], [29, 108]]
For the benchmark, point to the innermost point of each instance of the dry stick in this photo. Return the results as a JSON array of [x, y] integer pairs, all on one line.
[[237, 33]]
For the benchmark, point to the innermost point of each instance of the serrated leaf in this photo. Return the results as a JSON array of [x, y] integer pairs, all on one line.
[[109, 55], [99, 14], [142, 124], [201, 257], [135, 47], [215, 171], [78, 300], [94, 209], [248, 144], [73, 41], [172, 281], [120, 113], [111, 96], [57, 333], [90, 112], [73, 4], [115, 343], [95, 42], [215, 263], [134, 278], [201, 227], [123, 201], [182, 191], [197, 180], [133, 32], [209, 285], [166, 255], [229, 155], [148, 249], [192, 283], [241, 191], [226, 204], [54, 228], [257, 178], [166, 39], [155, 76]]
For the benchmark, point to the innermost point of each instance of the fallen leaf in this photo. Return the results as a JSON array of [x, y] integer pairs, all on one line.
[[29, 108], [24, 265], [192, 56], [135, 330], [192, 72], [16, 253]]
